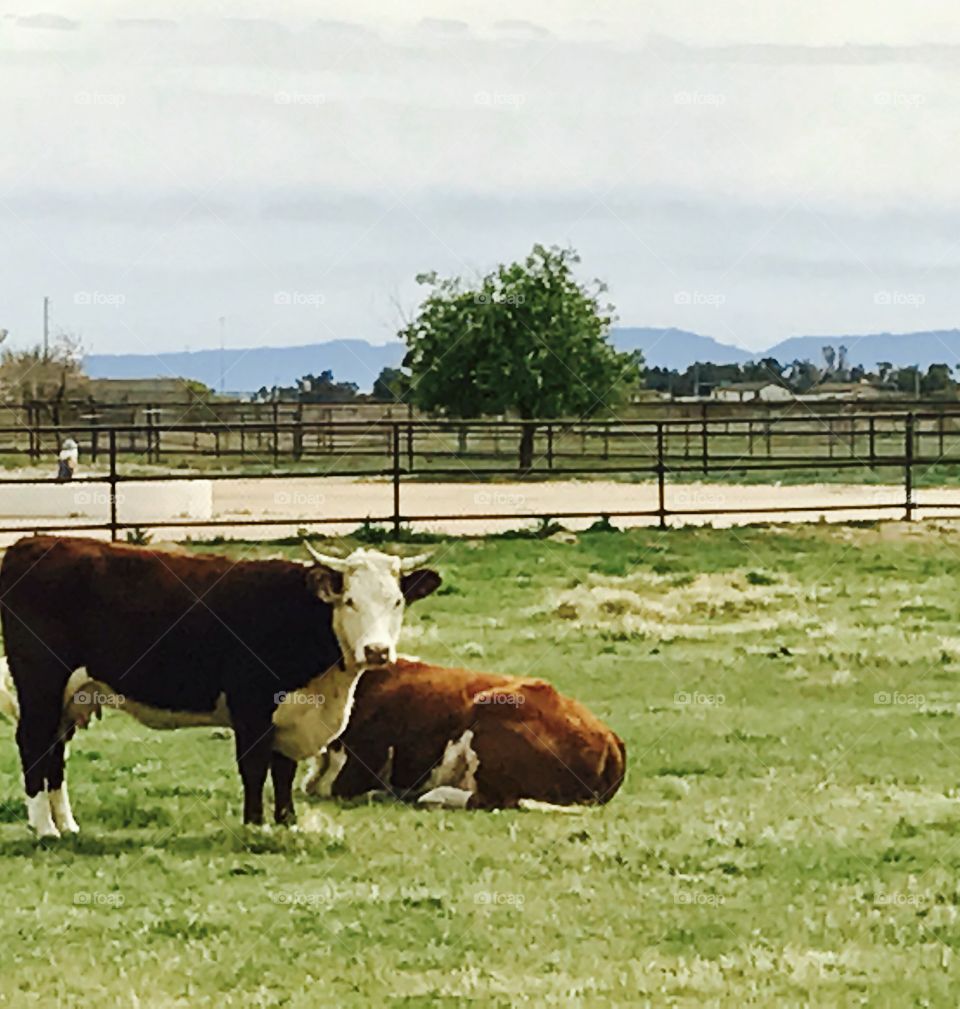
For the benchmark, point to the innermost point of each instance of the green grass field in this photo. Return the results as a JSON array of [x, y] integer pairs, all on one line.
[[788, 833]]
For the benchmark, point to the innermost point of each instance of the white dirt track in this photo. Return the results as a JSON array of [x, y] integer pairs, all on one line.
[[293, 502]]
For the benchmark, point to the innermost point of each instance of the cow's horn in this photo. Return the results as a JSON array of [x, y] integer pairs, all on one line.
[[412, 563], [336, 563]]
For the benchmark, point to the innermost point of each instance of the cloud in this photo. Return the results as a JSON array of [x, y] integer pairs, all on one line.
[[444, 26], [679, 147], [517, 27], [146, 23], [346, 29], [847, 54], [53, 22]]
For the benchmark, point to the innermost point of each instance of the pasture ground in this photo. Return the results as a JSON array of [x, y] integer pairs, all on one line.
[[787, 834]]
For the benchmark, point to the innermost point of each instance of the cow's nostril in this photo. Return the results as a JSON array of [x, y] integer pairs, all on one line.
[[376, 655]]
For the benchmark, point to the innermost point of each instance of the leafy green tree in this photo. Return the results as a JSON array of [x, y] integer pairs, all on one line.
[[767, 369], [908, 379], [937, 380], [54, 376], [324, 388], [391, 386], [526, 338], [804, 375]]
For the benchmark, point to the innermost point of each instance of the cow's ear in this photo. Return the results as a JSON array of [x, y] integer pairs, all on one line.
[[419, 583], [325, 582]]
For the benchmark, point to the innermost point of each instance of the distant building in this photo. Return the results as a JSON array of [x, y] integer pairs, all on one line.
[[745, 392]]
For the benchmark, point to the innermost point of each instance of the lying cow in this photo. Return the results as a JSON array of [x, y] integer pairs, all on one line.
[[459, 738], [179, 639]]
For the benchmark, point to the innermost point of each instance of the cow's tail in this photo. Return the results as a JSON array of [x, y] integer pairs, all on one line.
[[538, 806], [9, 707]]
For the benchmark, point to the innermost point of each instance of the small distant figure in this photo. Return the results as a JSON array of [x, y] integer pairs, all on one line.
[[67, 460]]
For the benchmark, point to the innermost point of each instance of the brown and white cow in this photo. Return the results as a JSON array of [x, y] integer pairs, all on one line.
[[454, 737], [272, 648]]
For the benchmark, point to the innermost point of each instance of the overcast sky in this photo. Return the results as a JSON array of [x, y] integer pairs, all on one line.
[[751, 170]]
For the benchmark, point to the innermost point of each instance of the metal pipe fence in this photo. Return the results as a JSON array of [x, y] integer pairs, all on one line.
[[663, 451]]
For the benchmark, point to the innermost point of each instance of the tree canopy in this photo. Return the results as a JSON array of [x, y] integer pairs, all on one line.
[[527, 338]]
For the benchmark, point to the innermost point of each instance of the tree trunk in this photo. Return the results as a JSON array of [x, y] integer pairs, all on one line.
[[527, 432]]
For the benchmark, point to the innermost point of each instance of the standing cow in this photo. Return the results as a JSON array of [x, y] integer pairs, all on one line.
[[455, 737], [190, 640]]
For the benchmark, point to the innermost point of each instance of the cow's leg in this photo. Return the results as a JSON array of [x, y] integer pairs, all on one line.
[[37, 739], [283, 770], [254, 739], [57, 788]]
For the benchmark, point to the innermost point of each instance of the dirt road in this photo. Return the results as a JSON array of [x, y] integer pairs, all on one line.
[[505, 504]]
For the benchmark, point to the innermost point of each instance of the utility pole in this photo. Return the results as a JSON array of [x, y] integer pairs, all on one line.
[[223, 324], [46, 328]]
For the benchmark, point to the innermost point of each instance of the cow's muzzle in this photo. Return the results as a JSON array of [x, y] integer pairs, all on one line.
[[376, 655]]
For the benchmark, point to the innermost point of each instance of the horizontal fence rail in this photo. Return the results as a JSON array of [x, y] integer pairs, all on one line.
[[417, 449]]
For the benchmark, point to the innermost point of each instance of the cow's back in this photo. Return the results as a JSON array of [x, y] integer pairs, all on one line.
[[169, 630]]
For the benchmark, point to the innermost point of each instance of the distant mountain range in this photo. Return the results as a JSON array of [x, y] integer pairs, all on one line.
[[938, 346], [361, 362], [677, 348], [249, 370]]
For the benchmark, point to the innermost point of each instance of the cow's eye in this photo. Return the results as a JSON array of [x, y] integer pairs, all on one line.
[[398, 602], [350, 603]]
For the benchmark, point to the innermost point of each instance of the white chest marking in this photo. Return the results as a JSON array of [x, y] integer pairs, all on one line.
[[307, 719], [458, 768]]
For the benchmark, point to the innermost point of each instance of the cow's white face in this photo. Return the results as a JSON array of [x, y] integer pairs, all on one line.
[[369, 591]]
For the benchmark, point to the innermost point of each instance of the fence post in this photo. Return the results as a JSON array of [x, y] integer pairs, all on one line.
[[37, 448], [396, 480], [873, 443], [703, 435], [908, 468], [661, 503], [410, 448], [549, 446], [113, 483], [298, 433], [276, 434]]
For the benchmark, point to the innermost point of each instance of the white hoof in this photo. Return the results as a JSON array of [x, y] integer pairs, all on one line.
[[446, 797], [38, 815], [61, 811]]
